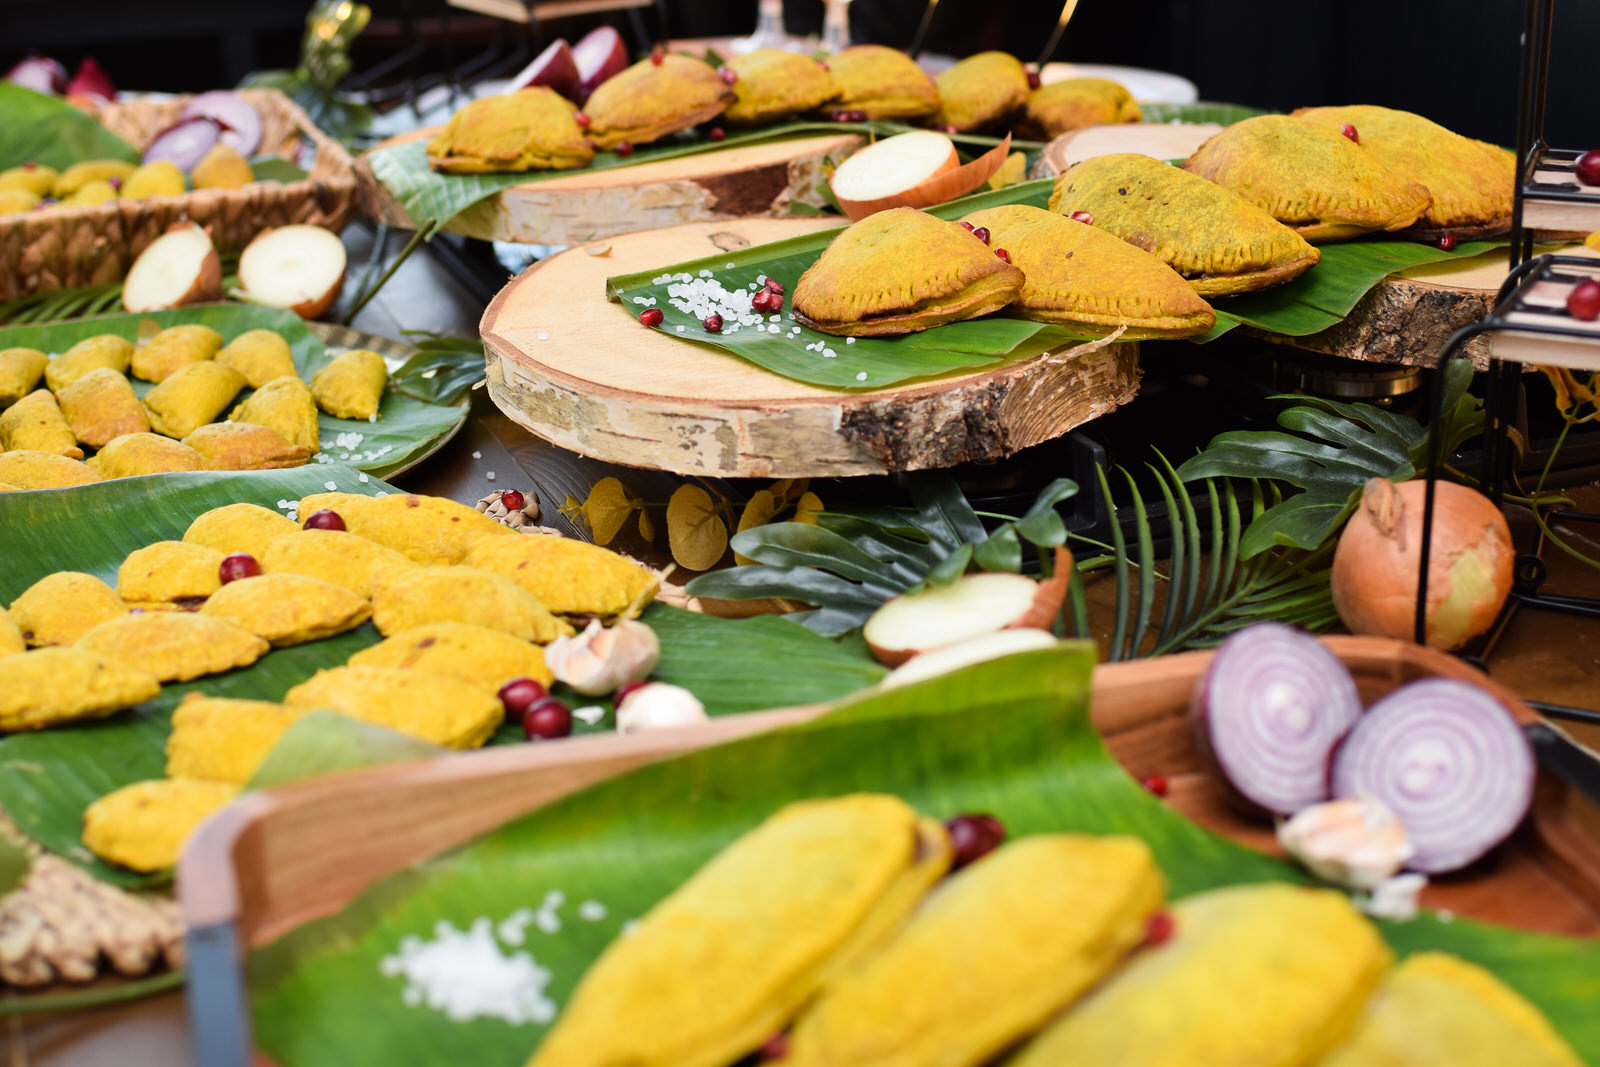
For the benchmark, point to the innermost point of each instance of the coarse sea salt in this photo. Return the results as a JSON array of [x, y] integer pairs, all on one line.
[[465, 975], [861, 377], [330, 486], [591, 911], [544, 335], [477, 455], [362, 478], [589, 714]]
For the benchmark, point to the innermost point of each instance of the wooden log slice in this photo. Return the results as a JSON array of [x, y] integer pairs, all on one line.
[[739, 182], [572, 367]]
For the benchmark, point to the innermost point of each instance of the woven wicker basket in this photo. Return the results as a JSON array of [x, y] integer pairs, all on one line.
[[61, 248]]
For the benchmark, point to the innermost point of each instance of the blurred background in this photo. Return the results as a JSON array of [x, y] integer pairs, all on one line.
[[1454, 61]]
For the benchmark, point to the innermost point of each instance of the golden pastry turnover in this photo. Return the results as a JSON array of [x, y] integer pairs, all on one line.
[[336, 556], [1082, 277], [981, 91], [531, 129], [259, 355], [1310, 178], [350, 386], [287, 406], [29, 469], [20, 371], [1220, 243], [224, 740], [35, 424], [92, 353], [238, 528], [649, 100], [191, 396], [475, 655], [773, 84], [50, 686], [100, 406], [288, 609], [144, 826], [433, 707], [1073, 103], [175, 646], [244, 446], [418, 596], [174, 348], [133, 454], [884, 83], [61, 607], [169, 574], [900, 271]]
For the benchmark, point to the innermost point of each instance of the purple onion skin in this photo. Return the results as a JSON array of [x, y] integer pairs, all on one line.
[[238, 117], [1407, 731], [39, 73], [1341, 701], [184, 144]]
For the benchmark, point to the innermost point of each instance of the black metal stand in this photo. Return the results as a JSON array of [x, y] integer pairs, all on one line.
[[1528, 325]]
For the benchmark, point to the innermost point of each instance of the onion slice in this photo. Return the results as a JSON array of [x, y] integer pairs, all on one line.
[[1269, 710], [941, 188], [1449, 760], [238, 117], [184, 144]]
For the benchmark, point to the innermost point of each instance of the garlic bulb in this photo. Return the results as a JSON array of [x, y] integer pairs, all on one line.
[[600, 659], [658, 706], [1355, 842], [1394, 898]]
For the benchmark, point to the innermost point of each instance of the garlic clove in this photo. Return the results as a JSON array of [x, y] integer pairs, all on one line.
[[600, 659], [658, 706], [1355, 842]]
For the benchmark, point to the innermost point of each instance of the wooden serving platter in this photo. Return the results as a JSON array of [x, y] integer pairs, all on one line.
[[759, 179], [276, 859], [572, 367]]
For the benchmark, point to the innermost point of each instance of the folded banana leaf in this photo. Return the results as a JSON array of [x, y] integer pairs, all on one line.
[[48, 778], [1010, 737], [407, 428], [35, 128]]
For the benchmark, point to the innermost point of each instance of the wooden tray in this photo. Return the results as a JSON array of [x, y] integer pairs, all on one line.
[[62, 248], [760, 179], [275, 860], [570, 366]]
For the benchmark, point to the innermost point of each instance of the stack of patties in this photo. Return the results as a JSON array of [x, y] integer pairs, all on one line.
[[1216, 240]]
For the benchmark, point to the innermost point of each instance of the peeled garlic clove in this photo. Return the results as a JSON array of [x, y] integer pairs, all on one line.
[[658, 706], [600, 659], [1355, 842]]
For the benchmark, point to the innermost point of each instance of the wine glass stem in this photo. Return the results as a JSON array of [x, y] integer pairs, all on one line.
[[769, 19], [836, 26]]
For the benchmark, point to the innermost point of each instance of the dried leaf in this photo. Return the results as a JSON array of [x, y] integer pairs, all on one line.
[[647, 529], [608, 506], [695, 530], [758, 512], [571, 510], [805, 510]]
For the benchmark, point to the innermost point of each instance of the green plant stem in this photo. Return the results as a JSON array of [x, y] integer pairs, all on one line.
[[383, 279]]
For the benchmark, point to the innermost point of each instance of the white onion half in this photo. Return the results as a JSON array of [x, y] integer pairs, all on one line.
[[1269, 710], [1450, 761]]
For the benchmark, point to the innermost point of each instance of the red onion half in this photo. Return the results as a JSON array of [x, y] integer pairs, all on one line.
[[184, 144], [1269, 711], [1449, 760], [238, 117]]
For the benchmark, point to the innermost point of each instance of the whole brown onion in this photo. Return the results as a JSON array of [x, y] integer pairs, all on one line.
[[1376, 565]]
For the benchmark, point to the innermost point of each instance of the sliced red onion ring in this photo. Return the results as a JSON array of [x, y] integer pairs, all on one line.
[[1269, 711], [238, 117], [184, 144], [1449, 760]]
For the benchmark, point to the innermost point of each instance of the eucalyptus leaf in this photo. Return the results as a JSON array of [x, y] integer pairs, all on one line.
[[51, 132], [406, 428], [1011, 737]]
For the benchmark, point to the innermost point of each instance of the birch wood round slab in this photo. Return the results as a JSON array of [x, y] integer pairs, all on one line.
[[759, 179], [572, 367]]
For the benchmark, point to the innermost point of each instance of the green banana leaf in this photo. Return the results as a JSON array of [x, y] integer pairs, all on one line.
[[1318, 299], [35, 128], [407, 429], [432, 199], [1202, 111], [48, 778], [1010, 737]]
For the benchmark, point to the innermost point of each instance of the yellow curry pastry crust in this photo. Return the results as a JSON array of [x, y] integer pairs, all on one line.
[[28, 469], [287, 406], [173, 349], [900, 271], [336, 556], [244, 446], [144, 826], [101, 406], [35, 424], [981, 90], [134, 454], [259, 355], [649, 100], [568, 577], [174, 646], [417, 596], [1080, 276], [1311, 178], [49, 686], [774, 84], [1220, 243], [288, 609], [350, 386], [531, 129], [430, 706], [475, 655], [169, 572], [1470, 183], [61, 607], [238, 528], [1073, 103], [11, 642], [20, 371], [224, 740], [882, 82], [426, 529], [191, 396], [92, 353]]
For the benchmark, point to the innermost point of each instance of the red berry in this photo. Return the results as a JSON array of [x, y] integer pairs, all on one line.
[[1350, 132], [1158, 929], [773, 286], [774, 1048], [582, 120], [1447, 241], [1033, 79], [1082, 216], [1003, 254], [712, 323], [239, 565], [823, 63], [973, 837], [717, 133], [656, 59], [1155, 783], [32, 164], [949, 128], [729, 75], [114, 182], [1584, 300], [520, 694], [762, 301], [624, 149], [981, 233], [652, 316], [858, 116], [1588, 168], [839, 115], [323, 520], [513, 500], [624, 691], [547, 720], [965, 225]]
